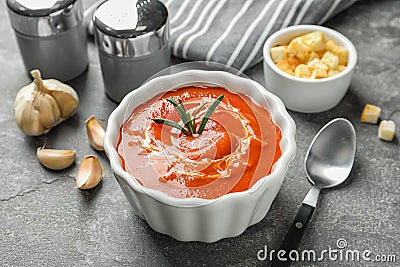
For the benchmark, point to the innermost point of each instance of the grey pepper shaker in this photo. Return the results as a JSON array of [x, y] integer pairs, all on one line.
[[51, 36], [133, 43]]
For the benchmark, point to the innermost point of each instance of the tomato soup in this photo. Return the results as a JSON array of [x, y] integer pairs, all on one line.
[[238, 146]]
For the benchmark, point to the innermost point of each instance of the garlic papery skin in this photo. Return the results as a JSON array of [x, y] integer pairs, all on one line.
[[95, 133], [89, 173], [55, 159], [37, 108]]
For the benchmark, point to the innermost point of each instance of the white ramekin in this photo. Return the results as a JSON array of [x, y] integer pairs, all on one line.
[[195, 219], [301, 94]]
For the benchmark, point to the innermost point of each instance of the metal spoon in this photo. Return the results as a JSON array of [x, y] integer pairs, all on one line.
[[328, 163]]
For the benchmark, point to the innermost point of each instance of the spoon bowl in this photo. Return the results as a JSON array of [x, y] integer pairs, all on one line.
[[330, 157]]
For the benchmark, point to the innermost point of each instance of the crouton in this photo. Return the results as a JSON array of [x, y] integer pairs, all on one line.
[[318, 64], [288, 64], [319, 73], [343, 55], [340, 51], [333, 72], [278, 54], [330, 59], [331, 45], [387, 130], [314, 40], [298, 49], [370, 114], [302, 71]]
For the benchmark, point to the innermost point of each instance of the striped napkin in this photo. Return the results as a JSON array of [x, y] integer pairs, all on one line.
[[233, 32]]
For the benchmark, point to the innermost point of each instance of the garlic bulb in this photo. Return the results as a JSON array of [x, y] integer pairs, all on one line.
[[43, 104]]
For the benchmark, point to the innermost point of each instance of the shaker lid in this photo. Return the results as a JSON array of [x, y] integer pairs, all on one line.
[[35, 8], [44, 18], [130, 18]]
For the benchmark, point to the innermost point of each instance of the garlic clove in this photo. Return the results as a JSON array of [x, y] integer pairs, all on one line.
[[28, 119], [48, 110], [67, 103], [95, 133], [65, 96], [55, 159], [89, 173]]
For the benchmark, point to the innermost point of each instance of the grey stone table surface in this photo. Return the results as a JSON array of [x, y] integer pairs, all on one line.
[[46, 221]]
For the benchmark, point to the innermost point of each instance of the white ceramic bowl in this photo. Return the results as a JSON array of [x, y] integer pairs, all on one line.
[[307, 95], [195, 219]]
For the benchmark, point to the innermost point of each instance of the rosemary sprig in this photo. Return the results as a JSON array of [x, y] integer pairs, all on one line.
[[187, 120], [209, 112]]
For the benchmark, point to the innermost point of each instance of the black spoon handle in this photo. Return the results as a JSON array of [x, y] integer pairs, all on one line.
[[294, 235]]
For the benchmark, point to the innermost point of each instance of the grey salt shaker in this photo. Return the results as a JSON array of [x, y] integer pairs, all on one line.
[[51, 36], [132, 38]]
